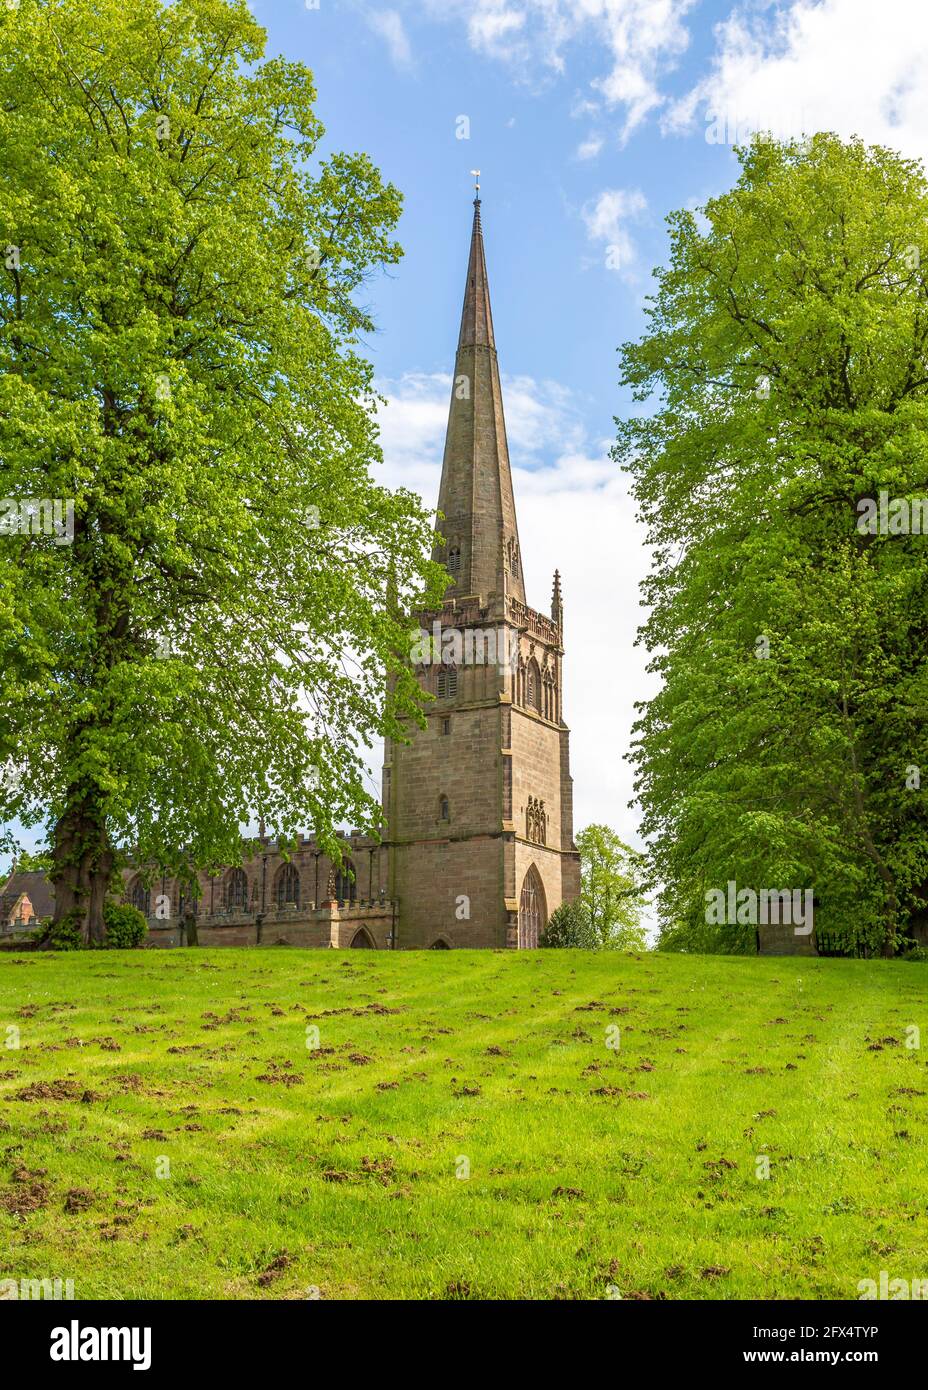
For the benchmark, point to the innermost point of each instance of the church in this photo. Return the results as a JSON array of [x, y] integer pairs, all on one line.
[[478, 848]]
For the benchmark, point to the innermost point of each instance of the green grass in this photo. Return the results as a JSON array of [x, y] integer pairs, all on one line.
[[333, 1172]]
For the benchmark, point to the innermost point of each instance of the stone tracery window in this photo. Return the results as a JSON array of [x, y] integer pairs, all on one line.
[[288, 886], [550, 695], [346, 883], [237, 889], [140, 895], [533, 686]]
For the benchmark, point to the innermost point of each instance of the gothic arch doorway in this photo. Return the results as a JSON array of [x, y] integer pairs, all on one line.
[[361, 940], [440, 944], [533, 913]]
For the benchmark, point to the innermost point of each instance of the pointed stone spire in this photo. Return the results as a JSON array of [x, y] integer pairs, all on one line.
[[476, 317], [475, 497], [557, 604]]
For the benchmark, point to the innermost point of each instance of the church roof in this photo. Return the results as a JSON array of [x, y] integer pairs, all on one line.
[[37, 888], [476, 496]]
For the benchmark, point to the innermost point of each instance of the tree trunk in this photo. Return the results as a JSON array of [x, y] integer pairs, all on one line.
[[82, 866]]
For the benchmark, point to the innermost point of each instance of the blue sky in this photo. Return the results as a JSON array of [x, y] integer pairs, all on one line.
[[590, 121]]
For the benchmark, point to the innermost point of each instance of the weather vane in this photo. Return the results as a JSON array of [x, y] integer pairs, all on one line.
[[476, 174]]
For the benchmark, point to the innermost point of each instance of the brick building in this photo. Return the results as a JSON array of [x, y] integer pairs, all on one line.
[[25, 900]]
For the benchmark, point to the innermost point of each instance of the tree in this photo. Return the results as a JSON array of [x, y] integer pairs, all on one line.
[[202, 600], [612, 894], [39, 862], [786, 348], [569, 928]]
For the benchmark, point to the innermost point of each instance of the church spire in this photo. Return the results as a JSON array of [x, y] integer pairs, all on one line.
[[476, 317], [476, 497]]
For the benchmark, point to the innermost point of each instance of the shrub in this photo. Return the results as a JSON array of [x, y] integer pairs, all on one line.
[[569, 929], [125, 926], [62, 936]]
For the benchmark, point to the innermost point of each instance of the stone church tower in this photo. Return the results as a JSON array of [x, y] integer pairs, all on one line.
[[479, 805]]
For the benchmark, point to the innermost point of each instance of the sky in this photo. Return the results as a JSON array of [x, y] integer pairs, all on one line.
[[591, 121]]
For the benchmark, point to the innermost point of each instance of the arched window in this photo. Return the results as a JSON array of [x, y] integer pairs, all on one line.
[[532, 911], [288, 886], [454, 560], [140, 895], [237, 890], [550, 708], [533, 686], [444, 808], [346, 884], [447, 683]]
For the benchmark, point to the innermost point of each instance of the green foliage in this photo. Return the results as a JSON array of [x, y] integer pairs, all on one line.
[[40, 862], [65, 935], [179, 357], [125, 926], [569, 928], [612, 894], [786, 348], [694, 936]]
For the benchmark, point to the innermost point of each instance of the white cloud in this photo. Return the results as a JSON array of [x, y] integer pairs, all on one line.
[[389, 25], [641, 40], [493, 26], [590, 147], [852, 66], [606, 217], [575, 514]]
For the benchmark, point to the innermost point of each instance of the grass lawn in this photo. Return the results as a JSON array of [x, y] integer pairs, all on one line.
[[463, 1128]]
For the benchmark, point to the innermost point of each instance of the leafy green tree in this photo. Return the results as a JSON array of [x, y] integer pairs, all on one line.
[[786, 349], [39, 862], [612, 892], [179, 325], [569, 928]]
